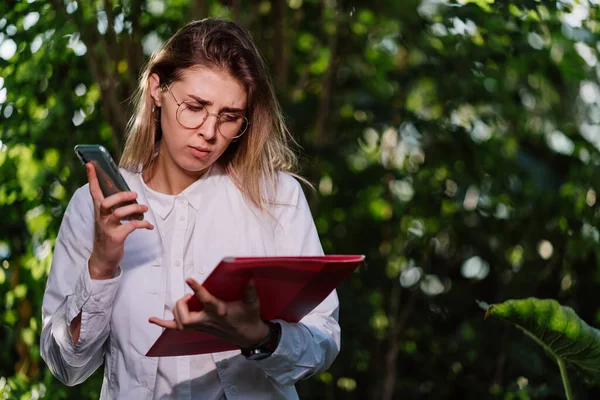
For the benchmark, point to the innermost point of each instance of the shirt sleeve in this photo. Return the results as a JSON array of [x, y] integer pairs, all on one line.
[[310, 346], [70, 291]]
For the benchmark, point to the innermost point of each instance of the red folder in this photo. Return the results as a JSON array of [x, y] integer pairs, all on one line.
[[288, 289]]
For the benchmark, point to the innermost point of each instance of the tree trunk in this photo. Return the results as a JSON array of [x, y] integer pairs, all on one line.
[[133, 48], [327, 85], [280, 44], [200, 9], [389, 377], [236, 11], [397, 325], [103, 71]]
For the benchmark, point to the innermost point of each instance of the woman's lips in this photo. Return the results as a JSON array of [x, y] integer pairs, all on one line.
[[199, 152]]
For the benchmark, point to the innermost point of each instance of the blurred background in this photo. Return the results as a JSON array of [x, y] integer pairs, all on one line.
[[454, 142]]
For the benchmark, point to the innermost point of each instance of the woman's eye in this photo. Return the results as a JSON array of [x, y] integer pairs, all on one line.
[[229, 117]]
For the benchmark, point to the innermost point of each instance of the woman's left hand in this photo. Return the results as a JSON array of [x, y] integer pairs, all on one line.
[[237, 322]]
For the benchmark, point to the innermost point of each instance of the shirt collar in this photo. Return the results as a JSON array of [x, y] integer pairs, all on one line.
[[163, 203]]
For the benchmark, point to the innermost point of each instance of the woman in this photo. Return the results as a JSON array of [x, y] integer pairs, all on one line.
[[207, 158]]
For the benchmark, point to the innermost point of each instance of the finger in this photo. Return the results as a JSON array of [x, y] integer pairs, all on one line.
[[211, 303], [187, 297], [250, 296], [95, 190], [125, 229], [183, 313], [107, 205], [163, 323], [193, 284], [177, 317], [122, 212]]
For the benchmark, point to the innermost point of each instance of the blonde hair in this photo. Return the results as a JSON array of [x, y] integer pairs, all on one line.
[[252, 161]]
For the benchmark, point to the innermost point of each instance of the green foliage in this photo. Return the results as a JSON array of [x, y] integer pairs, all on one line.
[[559, 330], [455, 143]]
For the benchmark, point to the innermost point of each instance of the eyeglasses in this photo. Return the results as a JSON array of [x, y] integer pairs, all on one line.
[[193, 115]]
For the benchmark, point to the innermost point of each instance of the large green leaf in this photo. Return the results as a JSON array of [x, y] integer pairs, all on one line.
[[558, 329]]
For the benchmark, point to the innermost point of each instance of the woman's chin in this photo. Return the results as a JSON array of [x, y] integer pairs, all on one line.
[[196, 166]]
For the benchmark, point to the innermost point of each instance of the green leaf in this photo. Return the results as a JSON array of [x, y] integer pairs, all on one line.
[[558, 329], [484, 4]]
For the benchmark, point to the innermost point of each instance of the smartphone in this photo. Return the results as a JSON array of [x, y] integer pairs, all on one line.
[[110, 179]]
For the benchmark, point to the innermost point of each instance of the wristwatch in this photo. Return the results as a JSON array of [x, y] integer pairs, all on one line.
[[267, 347]]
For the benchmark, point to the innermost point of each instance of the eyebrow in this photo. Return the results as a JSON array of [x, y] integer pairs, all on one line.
[[210, 103]]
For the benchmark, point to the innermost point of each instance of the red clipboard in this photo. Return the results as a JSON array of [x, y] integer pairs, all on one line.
[[288, 289]]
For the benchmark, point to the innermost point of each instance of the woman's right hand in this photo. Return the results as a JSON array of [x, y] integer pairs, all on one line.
[[109, 232]]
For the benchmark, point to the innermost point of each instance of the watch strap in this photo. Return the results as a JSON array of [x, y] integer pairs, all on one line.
[[267, 346]]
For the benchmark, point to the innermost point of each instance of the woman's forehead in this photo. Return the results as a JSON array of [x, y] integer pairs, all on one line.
[[214, 85]]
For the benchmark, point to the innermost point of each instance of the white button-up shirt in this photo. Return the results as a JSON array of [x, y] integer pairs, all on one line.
[[208, 221], [176, 229]]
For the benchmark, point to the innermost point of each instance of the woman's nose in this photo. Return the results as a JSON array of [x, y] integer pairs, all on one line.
[[209, 128]]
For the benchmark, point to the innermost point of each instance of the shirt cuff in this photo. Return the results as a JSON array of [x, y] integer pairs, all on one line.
[[288, 350], [93, 296]]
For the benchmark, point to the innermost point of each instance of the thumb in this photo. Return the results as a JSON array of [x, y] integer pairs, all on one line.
[[193, 284], [250, 295], [209, 301], [94, 186]]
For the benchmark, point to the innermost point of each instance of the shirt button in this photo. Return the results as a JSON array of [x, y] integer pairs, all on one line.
[[178, 263], [182, 218], [225, 363], [202, 271], [233, 390]]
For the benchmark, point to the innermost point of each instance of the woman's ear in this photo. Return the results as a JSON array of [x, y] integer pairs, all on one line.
[[155, 91]]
